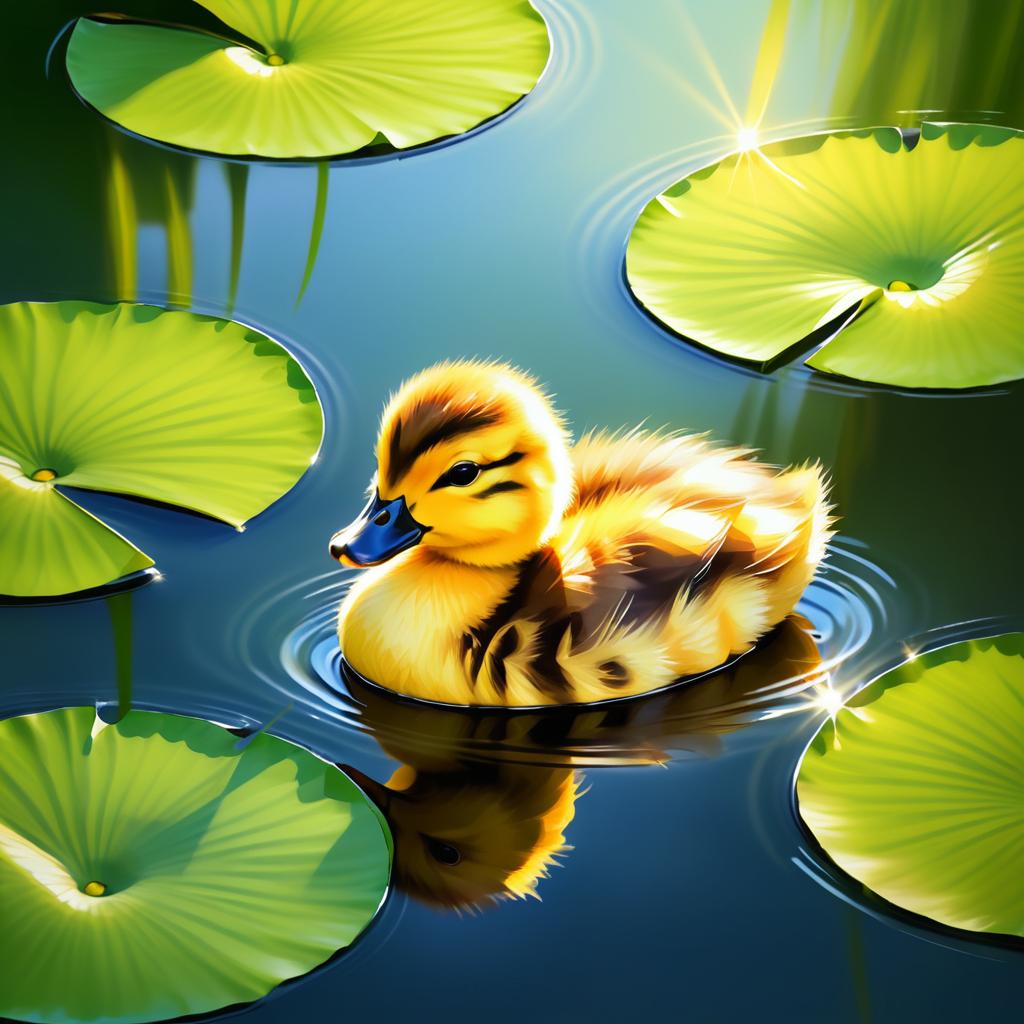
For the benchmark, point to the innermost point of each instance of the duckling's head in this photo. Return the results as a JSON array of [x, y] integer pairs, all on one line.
[[472, 463]]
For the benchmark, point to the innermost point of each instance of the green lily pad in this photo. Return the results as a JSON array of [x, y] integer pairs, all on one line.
[[325, 78], [917, 787], [218, 869], [189, 410], [751, 256]]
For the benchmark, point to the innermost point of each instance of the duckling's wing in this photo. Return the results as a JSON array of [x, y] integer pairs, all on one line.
[[638, 531], [657, 516], [634, 556], [682, 470]]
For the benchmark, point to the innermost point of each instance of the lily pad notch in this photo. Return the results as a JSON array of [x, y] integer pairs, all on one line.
[[169, 869], [179, 408], [916, 787], [893, 264], [307, 80]]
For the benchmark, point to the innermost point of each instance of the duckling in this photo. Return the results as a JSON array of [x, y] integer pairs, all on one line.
[[510, 567], [482, 800]]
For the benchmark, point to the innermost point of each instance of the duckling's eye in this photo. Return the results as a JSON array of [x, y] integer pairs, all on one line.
[[443, 853], [462, 474]]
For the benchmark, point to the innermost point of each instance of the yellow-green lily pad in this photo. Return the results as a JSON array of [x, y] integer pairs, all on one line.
[[193, 411], [916, 788], [157, 867], [317, 79], [914, 256]]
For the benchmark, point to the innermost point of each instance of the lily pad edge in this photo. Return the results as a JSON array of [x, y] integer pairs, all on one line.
[[378, 150], [841, 882], [242, 734], [148, 572], [803, 349]]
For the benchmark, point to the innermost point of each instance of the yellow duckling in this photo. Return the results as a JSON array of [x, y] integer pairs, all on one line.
[[512, 568]]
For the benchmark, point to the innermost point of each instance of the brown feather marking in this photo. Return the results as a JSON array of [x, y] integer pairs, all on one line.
[[533, 570], [614, 674], [575, 628], [505, 647], [502, 485], [428, 424], [548, 675]]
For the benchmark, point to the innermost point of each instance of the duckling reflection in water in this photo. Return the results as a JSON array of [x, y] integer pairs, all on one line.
[[476, 833], [508, 568], [481, 802]]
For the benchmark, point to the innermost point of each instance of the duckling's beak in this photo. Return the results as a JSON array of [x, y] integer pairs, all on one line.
[[383, 529]]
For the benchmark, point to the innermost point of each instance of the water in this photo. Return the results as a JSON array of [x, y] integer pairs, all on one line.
[[690, 888]]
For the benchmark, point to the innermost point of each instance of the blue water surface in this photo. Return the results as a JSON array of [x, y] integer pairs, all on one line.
[[691, 891]]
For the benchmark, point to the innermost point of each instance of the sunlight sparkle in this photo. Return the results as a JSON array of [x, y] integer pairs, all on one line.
[[746, 139]]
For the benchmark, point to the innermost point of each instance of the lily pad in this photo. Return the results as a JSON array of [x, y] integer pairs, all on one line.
[[157, 867], [917, 787], [754, 255], [189, 410], [319, 80]]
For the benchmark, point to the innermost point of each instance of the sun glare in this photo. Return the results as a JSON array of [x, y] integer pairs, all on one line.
[[745, 130], [746, 140], [248, 62], [830, 701]]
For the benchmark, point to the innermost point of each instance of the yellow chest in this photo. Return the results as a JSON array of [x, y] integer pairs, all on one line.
[[402, 623]]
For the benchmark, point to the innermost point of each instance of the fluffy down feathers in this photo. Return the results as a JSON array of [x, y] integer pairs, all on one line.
[[568, 575]]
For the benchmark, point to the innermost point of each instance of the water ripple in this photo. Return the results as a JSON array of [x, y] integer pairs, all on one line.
[[288, 641], [575, 60]]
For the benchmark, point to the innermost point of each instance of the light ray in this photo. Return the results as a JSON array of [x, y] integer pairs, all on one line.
[[709, 65], [769, 61], [778, 170]]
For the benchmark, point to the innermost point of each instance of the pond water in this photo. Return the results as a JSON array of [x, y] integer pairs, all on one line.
[[690, 889]]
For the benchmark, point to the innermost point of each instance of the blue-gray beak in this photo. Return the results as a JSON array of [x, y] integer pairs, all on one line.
[[383, 529]]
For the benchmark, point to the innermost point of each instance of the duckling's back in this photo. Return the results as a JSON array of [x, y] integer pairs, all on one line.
[[674, 556]]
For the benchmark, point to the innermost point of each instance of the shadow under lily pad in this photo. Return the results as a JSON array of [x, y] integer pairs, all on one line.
[[189, 410], [915, 256], [916, 788], [159, 868], [319, 80]]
